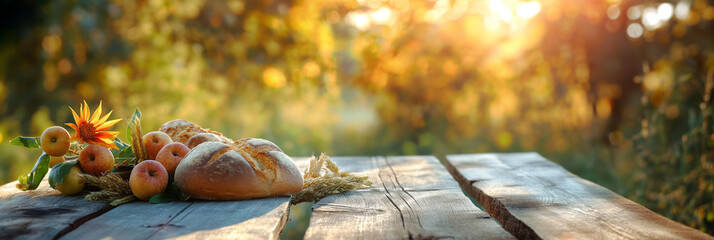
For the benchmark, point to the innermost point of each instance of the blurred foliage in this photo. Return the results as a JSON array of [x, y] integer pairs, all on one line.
[[617, 91], [678, 115]]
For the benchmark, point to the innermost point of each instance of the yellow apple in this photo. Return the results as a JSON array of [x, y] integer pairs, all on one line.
[[55, 141], [55, 160], [72, 183]]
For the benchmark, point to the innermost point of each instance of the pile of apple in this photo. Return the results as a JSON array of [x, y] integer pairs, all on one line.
[[148, 178]]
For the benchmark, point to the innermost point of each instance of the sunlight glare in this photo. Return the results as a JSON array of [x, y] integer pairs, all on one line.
[[501, 10], [682, 10], [435, 14], [635, 30], [359, 19], [497, 6], [613, 12], [650, 19], [528, 10], [381, 15], [664, 11], [634, 12]]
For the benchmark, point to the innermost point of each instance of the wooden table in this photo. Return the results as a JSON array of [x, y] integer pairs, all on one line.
[[413, 197]]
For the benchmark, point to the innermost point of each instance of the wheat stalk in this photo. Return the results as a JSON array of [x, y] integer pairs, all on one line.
[[115, 190], [110, 182], [323, 178]]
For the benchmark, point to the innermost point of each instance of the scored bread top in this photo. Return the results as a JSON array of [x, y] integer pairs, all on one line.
[[182, 131]]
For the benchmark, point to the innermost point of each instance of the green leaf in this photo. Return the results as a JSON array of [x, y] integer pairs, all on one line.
[[28, 142], [162, 198], [121, 145], [122, 155], [59, 171], [132, 122], [32, 180], [174, 190], [172, 193]]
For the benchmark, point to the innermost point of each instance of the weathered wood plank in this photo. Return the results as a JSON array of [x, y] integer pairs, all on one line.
[[43, 213], [246, 219], [412, 197], [535, 198]]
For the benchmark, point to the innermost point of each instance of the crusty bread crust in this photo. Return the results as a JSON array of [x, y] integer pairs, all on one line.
[[181, 131], [218, 168]]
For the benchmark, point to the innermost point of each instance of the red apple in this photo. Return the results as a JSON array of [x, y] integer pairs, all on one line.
[[96, 160], [154, 142], [55, 141], [147, 179], [171, 155]]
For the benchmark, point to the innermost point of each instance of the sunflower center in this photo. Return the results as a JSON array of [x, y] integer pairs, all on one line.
[[86, 131]]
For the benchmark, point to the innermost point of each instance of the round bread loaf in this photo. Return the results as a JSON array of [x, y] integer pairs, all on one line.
[[182, 131], [220, 169], [201, 138]]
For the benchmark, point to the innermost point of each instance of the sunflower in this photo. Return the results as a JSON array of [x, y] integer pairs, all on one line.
[[90, 128]]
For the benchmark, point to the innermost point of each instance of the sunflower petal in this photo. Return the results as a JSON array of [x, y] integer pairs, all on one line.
[[107, 135], [108, 124], [97, 114], [93, 142], [104, 119], [74, 114], [106, 142], [102, 140], [85, 112]]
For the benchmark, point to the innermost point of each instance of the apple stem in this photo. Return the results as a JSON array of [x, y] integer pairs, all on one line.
[[73, 152]]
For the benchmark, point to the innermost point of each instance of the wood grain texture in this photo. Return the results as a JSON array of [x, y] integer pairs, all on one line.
[[247, 219], [534, 198], [43, 213], [411, 198]]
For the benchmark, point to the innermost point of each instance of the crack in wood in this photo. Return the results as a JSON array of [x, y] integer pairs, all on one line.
[[400, 191], [394, 173], [161, 226], [388, 195], [74, 225], [396, 178]]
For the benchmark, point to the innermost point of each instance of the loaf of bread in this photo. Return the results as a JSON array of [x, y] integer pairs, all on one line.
[[218, 168]]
